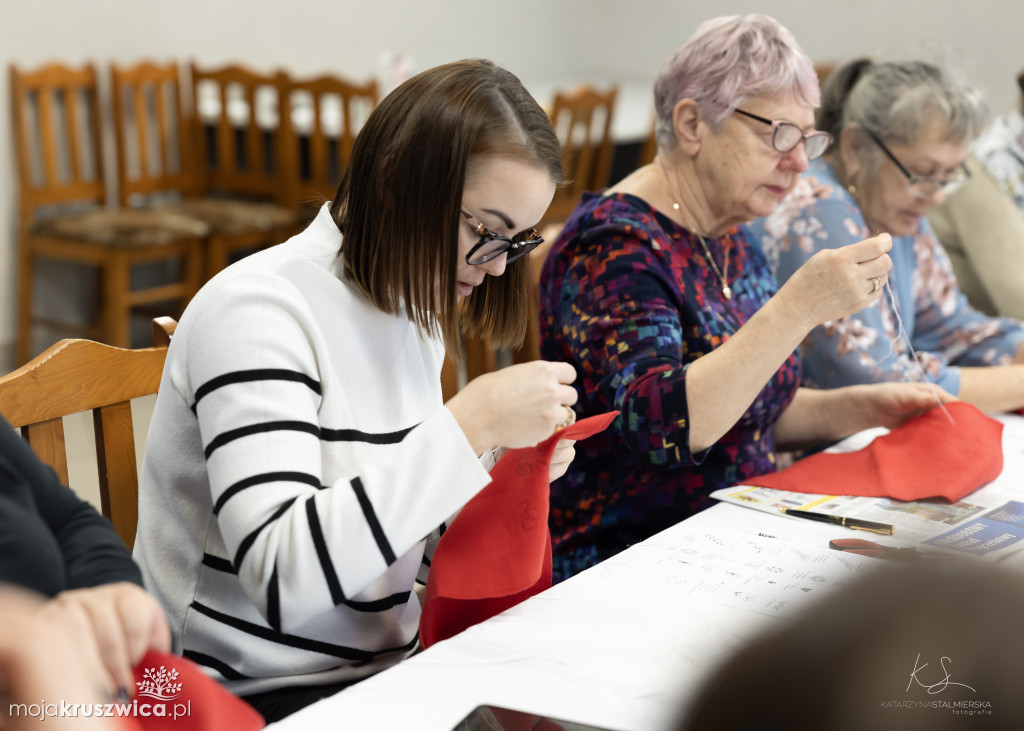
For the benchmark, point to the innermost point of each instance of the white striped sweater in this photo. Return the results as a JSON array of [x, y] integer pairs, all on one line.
[[299, 454]]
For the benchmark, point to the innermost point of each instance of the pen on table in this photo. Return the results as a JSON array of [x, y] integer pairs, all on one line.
[[855, 523]]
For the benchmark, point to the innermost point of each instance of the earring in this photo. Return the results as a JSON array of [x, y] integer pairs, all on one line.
[[852, 189]]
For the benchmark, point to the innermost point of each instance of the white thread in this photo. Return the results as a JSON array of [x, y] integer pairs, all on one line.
[[913, 353]]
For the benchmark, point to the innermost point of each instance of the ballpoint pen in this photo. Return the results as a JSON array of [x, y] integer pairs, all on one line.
[[855, 523]]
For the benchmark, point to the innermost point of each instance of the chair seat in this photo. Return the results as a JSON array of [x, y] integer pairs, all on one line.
[[233, 217], [123, 228]]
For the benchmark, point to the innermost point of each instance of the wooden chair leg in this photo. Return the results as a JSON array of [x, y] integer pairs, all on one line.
[[26, 290], [216, 256], [193, 270], [117, 311]]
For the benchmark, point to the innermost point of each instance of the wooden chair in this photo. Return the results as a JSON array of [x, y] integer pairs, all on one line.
[[63, 213], [650, 147], [582, 119], [530, 349], [321, 119], [83, 375], [222, 168]]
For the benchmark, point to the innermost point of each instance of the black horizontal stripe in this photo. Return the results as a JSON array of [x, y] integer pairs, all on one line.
[[300, 643], [256, 374], [246, 544], [267, 426], [326, 564], [303, 477], [354, 435], [218, 563], [371, 520], [425, 561], [213, 663], [380, 605]]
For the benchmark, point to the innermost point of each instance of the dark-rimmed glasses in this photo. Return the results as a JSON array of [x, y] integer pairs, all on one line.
[[923, 186], [493, 245], [787, 135]]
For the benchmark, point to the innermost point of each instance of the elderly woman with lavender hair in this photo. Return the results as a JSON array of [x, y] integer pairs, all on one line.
[[669, 315]]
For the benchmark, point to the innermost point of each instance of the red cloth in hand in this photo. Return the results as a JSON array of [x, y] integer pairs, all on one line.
[[497, 551], [199, 704], [923, 458]]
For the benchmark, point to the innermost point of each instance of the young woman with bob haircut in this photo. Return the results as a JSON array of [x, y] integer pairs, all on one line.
[[300, 454]]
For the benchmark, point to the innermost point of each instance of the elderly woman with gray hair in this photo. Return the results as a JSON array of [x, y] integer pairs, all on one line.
[[903, 131], [671, 317]]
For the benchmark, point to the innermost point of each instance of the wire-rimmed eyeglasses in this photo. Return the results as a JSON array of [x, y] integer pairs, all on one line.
[[787, 135], [493, 244], [923, 186]]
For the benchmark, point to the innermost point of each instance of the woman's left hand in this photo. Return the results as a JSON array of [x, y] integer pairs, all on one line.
[[892, 404], [562, 457], [123, 620]]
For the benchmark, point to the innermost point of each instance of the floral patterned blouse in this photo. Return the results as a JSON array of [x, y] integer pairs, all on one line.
[[628, 298], [1000, 148], [866, 347]]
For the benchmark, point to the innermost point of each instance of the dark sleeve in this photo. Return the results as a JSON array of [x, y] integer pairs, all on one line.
[[50, 540], [622, 319]]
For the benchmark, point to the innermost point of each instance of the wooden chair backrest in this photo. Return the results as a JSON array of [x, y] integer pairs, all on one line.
[[83, 375], [236, 131], [649, 149], [323, 117], [152, 130], [56, 126], [582, 119]]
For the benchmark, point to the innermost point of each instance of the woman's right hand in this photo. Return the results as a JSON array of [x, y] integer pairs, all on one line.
[[835, 283], [517, 406]]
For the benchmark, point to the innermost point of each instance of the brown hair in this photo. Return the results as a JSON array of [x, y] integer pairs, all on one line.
[[399, 203]]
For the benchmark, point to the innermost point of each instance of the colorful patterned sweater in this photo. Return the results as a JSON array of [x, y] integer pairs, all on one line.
[[628, 298]]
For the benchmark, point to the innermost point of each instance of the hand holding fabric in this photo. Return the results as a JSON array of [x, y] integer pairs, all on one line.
[[497, 552], [122, 621], [893, 404], [43, 657], [561, 458]]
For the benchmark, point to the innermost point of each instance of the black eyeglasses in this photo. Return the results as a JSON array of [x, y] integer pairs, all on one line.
[[923, 186], [786, 136], [493, 245]]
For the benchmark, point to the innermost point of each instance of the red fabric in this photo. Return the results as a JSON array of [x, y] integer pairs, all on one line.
[[925, 457], [201, 703], [497, 551]]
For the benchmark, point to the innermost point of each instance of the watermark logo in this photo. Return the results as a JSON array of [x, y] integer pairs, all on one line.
[[935, 680], [159, 684], [938, 686]]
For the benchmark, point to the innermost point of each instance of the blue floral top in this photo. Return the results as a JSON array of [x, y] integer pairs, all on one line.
[[865, 348], [628, 298]]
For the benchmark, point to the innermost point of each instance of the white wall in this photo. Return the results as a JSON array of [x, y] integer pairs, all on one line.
[[623, 40]]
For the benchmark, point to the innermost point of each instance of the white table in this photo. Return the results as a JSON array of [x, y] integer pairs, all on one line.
[[622, 645]]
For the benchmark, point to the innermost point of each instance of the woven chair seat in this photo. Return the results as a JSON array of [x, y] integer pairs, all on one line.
[[123, 228], [233, 217]]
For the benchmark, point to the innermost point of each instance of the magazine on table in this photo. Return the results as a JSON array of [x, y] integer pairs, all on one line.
[[988, 522]]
